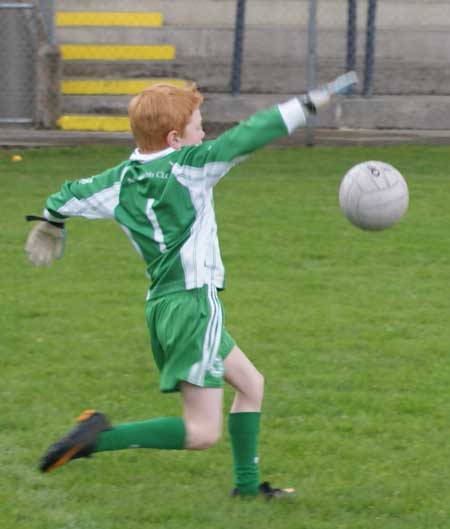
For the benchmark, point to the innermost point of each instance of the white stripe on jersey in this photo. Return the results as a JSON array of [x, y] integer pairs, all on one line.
[[157, 232], [199, 253], [193, 251], [204, 177], [100, 205]]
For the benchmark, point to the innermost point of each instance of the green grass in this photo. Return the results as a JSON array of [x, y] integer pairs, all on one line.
[[350, 329]]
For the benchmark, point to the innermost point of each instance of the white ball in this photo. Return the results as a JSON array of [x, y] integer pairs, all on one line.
[[373, 195]]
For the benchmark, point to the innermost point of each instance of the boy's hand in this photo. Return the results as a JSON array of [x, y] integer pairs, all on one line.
[[45, 243], [323, 95]]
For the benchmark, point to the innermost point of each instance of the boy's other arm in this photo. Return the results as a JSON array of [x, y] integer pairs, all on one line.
[[91, 198]]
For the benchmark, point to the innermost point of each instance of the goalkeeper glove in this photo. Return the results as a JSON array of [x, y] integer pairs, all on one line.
[[323, 95], [45, 243]]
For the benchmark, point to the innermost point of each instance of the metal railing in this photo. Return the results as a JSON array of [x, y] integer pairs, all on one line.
[[313, 39], [238, 47], [370, 47]]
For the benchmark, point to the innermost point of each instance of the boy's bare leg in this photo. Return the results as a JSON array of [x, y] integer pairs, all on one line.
[[202, 413], [243, 425], [243, 420], [199, 428], [248, 382]]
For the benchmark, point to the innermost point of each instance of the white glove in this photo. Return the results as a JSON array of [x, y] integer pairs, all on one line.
[[45, 243], [323, 95]]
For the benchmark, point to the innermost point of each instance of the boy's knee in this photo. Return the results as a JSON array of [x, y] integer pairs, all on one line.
[[201, 437], [206, 441], [258, 387]]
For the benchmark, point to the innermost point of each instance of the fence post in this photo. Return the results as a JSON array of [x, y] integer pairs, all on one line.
[[48, 66], [48, 14], [351, 36], [370, 47], [238, 48], [312, 47]]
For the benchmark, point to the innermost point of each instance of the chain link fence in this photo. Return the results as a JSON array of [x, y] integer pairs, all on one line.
[[18, 48], [29, 91]]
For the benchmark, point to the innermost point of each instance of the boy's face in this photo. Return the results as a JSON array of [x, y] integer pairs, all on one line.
[[193, 133]]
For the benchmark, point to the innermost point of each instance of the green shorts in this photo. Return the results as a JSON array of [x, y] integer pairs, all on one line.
[[188, 338]]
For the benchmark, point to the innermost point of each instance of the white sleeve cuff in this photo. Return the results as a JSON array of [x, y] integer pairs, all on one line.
[[51, 217], [293, 114]]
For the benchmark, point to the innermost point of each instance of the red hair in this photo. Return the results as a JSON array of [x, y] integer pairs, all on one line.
[[157, 110]]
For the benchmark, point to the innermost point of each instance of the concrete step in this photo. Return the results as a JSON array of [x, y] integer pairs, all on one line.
[[103, 18], [389, 112], [94, 122], [211, 76], [114, 52], [391, 77], [113, 86], [268, 42]]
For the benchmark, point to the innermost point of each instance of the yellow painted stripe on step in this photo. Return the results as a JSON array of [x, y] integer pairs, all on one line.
[[107, 52], [92, 123], [113, 86], [108, 18]]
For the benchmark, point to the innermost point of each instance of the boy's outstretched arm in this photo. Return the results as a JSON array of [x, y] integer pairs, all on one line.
[[204, 165], [91, 198]]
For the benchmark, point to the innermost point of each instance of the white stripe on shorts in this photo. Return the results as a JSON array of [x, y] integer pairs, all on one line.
[[216, 333], [211, 341]]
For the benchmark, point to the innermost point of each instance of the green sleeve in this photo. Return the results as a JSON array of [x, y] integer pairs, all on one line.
[[92, 198], [207, 163], [248, 136]]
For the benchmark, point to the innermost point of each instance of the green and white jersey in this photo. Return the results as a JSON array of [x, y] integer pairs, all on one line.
[[164, 200]]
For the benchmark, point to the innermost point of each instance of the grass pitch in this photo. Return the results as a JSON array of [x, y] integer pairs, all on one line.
[[350, 329]]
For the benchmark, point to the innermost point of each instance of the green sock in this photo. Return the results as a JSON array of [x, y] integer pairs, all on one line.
[[166, 432], [244, 430]]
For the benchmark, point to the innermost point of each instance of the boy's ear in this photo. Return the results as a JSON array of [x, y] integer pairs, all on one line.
[[173, 139]]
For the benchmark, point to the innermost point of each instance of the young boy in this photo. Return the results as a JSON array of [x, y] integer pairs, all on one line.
[[162, 198]]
